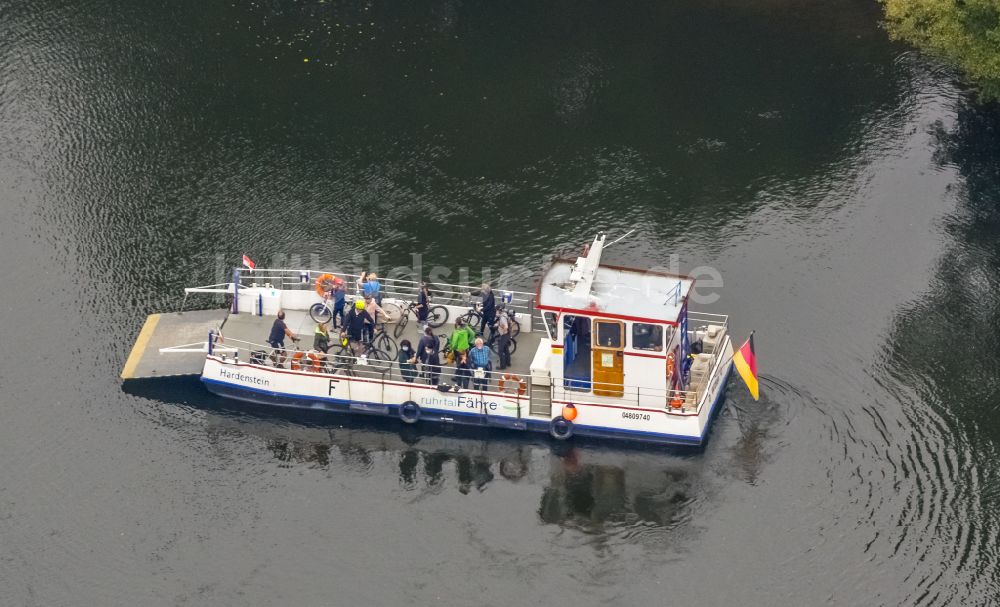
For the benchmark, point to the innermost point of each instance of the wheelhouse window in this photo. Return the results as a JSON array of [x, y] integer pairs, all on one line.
[[549, 318], [608, 334], [647, 337]]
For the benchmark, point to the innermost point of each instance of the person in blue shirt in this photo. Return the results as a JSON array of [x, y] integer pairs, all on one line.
[[479, 362], [338, 294], [370, 286]]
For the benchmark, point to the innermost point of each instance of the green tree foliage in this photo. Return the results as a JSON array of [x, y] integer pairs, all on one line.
[[965, 33]]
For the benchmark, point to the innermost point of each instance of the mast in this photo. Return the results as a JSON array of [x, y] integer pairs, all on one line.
[[585, 268]]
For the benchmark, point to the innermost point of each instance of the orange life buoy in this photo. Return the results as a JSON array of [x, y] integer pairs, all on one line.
[[676, 403], [522, 386], [324, 282], [315, 362], [297, 360], [670, 366]]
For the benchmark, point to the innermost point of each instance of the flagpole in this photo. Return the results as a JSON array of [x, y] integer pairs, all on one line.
[[733, 355]]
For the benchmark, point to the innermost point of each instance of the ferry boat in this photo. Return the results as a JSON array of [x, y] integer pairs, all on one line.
[[603, 351]]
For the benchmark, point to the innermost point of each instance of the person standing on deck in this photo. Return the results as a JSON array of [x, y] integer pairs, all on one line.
[[321, 338], [279, 330], [503, 337], [479, 361], [377, 313], [430, 362], [461, 338], [489, 308], [370, 286], [407, 361], [423, 306], [339, 294], [463, 370], [354, 326]]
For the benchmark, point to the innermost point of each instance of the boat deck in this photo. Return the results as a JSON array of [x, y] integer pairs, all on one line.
[[172, 330], [255, 329]]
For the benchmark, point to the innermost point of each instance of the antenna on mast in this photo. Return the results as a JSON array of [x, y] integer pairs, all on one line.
[[620, 239]]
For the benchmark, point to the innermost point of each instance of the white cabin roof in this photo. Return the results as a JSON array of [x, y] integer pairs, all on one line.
[[615, 292]]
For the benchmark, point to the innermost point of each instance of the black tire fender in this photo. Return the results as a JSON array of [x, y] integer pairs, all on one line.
[[561, 428], [409, 412]]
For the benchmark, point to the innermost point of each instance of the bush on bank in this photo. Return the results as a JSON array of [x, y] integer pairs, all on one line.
[[965, 33]]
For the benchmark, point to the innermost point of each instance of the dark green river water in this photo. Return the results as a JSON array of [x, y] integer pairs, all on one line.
[[845, 188]]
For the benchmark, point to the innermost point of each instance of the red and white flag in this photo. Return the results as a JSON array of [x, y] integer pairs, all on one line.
[[249, 262]]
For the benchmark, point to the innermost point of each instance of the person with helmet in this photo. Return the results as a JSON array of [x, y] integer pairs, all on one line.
[[354, 326]]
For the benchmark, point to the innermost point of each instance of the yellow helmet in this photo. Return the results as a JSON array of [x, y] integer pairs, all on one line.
[[359, 304]]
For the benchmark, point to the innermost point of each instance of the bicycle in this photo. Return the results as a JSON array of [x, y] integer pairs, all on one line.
[[278, 356], [322, 311], [345, 359], [381, 341], [436, 316], [474, 318], [491, 343]]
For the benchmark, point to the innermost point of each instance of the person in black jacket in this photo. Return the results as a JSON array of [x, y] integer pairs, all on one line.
[[430, 362], [354, 325], [489, 309]]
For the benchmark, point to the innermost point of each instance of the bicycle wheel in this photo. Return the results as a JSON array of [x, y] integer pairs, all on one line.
[[401, 325], [437, 316], [387, 345], [393, 312], [379, 361], [343, 361], [320, 312], [510, 349], [472, 319], [515, 329]]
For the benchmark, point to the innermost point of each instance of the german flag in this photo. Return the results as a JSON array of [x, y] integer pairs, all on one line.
[[746, 363]]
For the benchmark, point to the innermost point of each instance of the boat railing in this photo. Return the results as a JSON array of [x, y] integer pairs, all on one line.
[[442, 293], [314, 362]]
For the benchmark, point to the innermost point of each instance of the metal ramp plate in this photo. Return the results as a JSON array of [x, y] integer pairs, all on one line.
[[168, 330]]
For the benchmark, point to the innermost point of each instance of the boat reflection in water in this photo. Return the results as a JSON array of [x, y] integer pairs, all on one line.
[[590, 487]]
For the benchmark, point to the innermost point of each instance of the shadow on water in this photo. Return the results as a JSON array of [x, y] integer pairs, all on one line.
[[595, 486], [944, 352]]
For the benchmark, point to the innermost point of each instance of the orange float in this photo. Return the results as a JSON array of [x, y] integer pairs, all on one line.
[[324, 282], [315, 362], [522, 386], [296, 364], [569, 412]]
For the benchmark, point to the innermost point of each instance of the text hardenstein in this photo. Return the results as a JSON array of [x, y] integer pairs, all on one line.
[[249, 379]]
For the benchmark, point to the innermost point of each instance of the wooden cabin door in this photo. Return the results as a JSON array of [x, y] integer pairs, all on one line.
[[609, 358]]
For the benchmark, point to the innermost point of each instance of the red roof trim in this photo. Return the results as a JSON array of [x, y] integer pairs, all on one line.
[[599, 315]]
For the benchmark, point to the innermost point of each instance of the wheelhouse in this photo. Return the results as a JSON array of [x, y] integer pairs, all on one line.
[[615, 330]]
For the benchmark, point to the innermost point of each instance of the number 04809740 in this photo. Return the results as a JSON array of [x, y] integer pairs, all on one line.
[[634, 415]]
